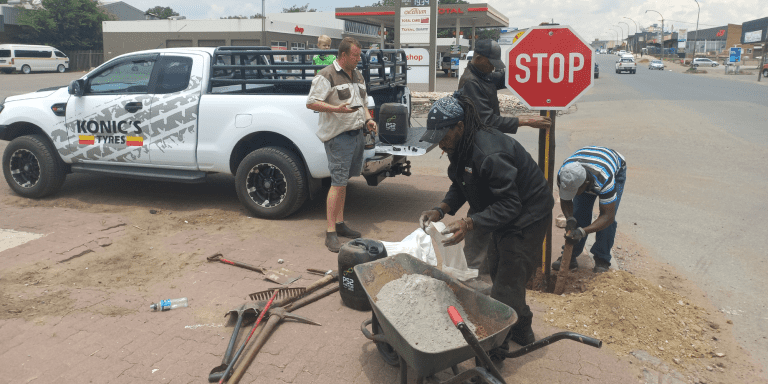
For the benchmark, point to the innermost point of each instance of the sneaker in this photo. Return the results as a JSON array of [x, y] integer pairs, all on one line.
[[601, 266], [332, 242], [344, 231], [573, 265], [522, 337]]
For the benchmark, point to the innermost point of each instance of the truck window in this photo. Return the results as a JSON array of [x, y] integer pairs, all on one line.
[[5, 53], [125, 77], [59, 54], [174, 74]]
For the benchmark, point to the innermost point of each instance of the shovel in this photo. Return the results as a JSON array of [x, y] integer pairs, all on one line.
[[240, 311], [280, 276]]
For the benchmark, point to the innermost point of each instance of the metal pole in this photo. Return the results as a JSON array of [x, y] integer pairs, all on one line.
[[634, 40], [263, 26], [432, 42], [662, 31], [696, 38], [547, 165], [621, 43], [622, 31]]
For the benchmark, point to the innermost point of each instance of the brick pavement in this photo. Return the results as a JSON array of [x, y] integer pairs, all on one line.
[[107, 334]]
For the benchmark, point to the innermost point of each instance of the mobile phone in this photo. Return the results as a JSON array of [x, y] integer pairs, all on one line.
[[354, 105]]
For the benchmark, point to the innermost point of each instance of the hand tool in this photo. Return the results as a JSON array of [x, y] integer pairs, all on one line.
[[240, 312], [570, 225], [280, 276], [293, 294], [292, 306], [281, 294], [239, 351], [474, 343], [276, 315]]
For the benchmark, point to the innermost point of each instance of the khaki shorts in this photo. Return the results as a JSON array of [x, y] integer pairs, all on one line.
[[345, 156]]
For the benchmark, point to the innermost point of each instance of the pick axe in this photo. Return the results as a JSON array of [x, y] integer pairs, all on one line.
[[570, 225]]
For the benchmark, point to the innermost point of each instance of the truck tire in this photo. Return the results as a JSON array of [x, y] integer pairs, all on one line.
[[270, 182], [32, 167], [61, 68], [26, 69], [765, 72]]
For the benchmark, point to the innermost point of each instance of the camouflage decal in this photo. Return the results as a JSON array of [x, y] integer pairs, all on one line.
[[121, 136]]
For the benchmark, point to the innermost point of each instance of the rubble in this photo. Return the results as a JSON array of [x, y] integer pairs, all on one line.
[[508, 104]]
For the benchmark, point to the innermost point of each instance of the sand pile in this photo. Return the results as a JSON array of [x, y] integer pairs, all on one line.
[[630, 313]]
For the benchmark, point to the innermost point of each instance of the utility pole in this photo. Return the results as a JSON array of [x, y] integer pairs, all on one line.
[[696, 38], [662, 31], [621, 22], [622, 34], [634, 40], [263, 26]]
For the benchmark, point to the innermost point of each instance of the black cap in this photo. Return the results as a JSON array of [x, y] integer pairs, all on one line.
[[444, 114], [491, 50]]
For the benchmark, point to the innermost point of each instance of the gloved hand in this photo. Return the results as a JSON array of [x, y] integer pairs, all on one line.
[[428, 217], [459, 228], [576, 234], [571, 224]]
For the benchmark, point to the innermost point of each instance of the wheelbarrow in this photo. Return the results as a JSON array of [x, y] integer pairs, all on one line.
[[493, 318]]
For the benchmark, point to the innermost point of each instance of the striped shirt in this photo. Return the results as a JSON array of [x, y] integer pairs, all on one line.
[[602, 165]]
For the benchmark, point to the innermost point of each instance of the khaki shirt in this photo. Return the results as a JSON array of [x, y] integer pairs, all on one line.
[[333, 86]]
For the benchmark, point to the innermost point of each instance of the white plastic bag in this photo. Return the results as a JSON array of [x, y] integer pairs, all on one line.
[[419, 244]]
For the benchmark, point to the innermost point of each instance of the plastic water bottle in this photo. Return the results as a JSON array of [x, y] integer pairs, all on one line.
[[167, 305]]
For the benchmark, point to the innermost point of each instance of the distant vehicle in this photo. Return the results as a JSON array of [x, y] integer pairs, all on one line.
[[765, 70], [445, 64], [656, 64], [469, 55], [626, 64], [29, 58], [597, 71], [603, 51], [621, 53], [702, 61]]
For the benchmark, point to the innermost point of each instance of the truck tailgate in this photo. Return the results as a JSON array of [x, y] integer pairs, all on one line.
[[412, 147]]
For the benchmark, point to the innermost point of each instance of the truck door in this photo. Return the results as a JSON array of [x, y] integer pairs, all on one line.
[[176, 95], [110, 122]]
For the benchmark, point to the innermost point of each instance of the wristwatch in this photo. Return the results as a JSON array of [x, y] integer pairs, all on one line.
[[440, 210]]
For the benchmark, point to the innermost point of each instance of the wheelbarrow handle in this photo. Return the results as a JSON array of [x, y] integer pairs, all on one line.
[[553, 338], [377, 338], [474, 344]]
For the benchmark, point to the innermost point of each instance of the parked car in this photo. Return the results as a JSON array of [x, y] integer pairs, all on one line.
[[445, 64], [597, 71], [31, 58], [656, 64], [702, 61], [765, 70], [469, 55], [626, 64]]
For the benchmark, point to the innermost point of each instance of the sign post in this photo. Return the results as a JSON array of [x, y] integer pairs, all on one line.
[[549, 68]]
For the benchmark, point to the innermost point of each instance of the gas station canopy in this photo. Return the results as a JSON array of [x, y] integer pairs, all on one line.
[[477, 15]]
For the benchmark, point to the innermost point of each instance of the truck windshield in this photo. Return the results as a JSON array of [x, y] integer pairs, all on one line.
[[5, 53]]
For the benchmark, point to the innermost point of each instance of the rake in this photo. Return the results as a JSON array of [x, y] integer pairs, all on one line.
[[282, 293]]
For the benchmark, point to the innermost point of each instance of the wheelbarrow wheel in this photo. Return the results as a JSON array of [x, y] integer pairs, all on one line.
[[388, 354]]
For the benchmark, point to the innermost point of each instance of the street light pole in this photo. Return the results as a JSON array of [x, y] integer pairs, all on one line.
[[622, 34], [662, 30], [697, 32], [634, 41], [617, 36], [621, 22]]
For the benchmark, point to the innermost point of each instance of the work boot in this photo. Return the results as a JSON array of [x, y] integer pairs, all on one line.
[[344, 231], [573, 265], [601, 266], [522, 336], [332, 242], [498, 354]]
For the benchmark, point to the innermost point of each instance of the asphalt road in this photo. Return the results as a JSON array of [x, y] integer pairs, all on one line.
[[697, 179]]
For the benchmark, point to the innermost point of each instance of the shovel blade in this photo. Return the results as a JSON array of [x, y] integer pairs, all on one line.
[[282, 276]]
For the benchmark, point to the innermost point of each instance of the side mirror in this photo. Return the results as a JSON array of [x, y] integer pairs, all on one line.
[[76, 87]]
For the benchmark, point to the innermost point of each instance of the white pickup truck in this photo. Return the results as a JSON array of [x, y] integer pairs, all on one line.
[[181, 114], [626, 64]]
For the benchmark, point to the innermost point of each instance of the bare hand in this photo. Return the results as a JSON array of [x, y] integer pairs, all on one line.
[[540, 122], [372, 126], [344, 108], [459, 228], [428, 217]]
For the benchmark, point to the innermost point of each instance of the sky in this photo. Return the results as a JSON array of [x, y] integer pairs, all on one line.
[[591, 19]]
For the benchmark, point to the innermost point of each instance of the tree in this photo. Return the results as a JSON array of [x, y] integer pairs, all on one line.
[[256, 16], [295, 8], [65, 24], [3, 1], [162, 12]]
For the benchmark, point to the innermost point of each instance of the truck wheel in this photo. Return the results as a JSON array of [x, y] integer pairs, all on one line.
[[26, 69], [32, 167], [271, 183], [765, 72], [61, 68]]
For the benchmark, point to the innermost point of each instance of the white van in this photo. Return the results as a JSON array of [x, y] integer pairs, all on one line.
[[28, 58]]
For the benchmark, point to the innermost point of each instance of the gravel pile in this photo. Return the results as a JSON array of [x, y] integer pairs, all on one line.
[[422, 101]]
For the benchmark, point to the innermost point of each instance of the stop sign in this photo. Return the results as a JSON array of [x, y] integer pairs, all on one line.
[[549, 67]]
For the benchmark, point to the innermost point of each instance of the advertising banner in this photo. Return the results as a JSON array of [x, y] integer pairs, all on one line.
[[734, 55], [682, 37], [414, 25], [753, 37], [418, 65]]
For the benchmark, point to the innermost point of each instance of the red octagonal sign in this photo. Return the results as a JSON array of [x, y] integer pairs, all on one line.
[[549, 67]]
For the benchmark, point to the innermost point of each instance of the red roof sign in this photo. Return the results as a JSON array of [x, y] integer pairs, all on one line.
[[549, 67]]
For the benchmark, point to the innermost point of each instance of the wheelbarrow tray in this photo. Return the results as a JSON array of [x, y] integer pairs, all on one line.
[[492, 318]]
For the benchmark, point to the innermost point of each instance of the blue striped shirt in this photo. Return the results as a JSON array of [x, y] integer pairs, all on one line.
[[601, 164]]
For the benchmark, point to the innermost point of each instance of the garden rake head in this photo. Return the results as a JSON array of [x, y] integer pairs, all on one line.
[[283, 293]]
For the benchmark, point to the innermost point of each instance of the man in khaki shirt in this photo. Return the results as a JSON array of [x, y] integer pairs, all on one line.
[[338, 93]]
